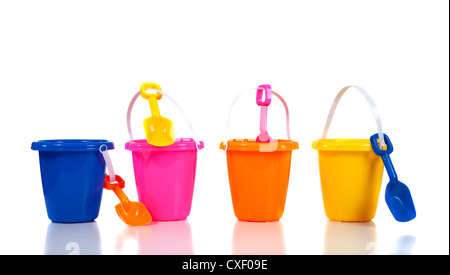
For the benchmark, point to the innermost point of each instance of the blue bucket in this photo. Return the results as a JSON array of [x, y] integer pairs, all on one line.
[[72, 173]]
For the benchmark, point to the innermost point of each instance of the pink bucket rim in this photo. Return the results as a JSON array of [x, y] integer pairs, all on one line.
[[181, 144]]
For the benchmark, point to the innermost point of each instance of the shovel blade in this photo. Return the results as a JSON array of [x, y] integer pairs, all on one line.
[[159, 131], [400, 202], [133, 213]]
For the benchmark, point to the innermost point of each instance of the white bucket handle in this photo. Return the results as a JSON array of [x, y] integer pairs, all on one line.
[[372, 105], [104, 150], [288, 131], [135, 97]]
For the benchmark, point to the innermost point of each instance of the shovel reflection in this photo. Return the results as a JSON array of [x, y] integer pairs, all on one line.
[[158, 238]]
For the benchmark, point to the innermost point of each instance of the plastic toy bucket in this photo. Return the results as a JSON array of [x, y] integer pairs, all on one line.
[[258, 176], [259, 179], [165, 176], [350, 175], [350, 172], [73, 173]]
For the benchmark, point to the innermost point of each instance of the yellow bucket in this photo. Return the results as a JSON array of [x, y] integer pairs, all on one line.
[[350, 172]]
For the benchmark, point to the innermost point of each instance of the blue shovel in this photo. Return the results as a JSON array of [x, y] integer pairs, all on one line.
[[397, 196]]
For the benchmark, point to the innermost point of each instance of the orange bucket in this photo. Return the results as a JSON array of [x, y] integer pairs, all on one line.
[[258, 179], [258, 173]]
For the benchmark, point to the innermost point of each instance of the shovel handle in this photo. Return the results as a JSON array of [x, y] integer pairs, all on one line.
[[268, 95], [152, 86], [120, 194], [264, 104], [381, 151], [152, 100], [384, 154], [116, 187]]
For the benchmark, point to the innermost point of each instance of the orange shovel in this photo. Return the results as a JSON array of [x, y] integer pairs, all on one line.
[[132, 213]]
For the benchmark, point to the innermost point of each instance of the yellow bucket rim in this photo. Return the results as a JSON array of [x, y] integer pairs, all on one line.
[[342, 145]]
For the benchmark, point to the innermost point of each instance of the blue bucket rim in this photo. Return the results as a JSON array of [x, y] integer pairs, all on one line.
[[71, 145]]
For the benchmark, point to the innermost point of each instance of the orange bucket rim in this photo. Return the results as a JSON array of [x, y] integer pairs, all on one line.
[[278, 145]]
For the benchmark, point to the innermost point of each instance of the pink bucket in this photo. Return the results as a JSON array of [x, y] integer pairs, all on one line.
[[165, 177]]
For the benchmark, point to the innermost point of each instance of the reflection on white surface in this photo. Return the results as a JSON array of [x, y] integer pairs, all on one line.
[[350, 238], [404, 245], [158, 238], [258, 238], [73, 239]]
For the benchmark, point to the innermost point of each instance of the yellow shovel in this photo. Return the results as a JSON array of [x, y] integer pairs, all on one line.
[[158, 129]]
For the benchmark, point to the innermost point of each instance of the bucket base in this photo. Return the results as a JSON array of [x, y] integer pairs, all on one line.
[[70, 222], [349, 218], [169, 220], [350, 221], [258, 221]]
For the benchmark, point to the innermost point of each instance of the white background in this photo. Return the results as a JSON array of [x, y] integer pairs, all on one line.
[[68, 69]]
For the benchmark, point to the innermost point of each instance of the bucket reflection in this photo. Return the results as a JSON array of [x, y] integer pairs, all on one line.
[[258, 238], [350, 238], [404, 245], [73, 239], [158, 238]]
